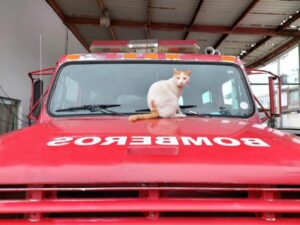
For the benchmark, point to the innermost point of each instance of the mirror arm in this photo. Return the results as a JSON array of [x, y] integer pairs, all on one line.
[[30, 114], [268, 116]]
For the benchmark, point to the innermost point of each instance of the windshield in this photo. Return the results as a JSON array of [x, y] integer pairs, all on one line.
[[214, 89]]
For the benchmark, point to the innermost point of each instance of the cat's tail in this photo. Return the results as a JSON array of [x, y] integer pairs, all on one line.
[[152, 115]]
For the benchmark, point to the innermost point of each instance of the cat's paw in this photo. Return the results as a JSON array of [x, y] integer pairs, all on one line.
[[180, 115]]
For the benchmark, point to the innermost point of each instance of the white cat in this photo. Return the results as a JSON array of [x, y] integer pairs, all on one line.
[[163, 97]]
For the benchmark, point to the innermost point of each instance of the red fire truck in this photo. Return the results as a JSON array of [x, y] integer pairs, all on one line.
[[83, 162]]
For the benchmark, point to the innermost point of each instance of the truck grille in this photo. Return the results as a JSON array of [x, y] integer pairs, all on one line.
[[162, 204]]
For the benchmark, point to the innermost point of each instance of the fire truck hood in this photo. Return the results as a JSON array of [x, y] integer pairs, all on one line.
[[111, 149]]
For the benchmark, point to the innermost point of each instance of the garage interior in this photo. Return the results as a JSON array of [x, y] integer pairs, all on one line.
[[263, 33]]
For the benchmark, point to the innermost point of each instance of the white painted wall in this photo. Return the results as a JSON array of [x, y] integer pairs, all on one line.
[[22, 23], [291, 120]]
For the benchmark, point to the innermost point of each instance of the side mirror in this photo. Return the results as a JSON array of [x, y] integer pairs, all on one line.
[[275, 96], [275, 100], [37, 91], [36, 103]]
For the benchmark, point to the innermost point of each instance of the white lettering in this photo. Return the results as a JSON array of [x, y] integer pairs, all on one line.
[[227, 141], [85, 141], [60, 141], [159, 140], [140, 140], [198, 141], [166, 141], [254, 142], [119, 140]]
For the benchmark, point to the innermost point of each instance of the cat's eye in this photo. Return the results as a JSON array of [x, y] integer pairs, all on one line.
[[184, 78]]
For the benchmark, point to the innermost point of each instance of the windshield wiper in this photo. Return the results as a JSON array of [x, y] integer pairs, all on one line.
[[193, 113], [181, 107], [92, 108]]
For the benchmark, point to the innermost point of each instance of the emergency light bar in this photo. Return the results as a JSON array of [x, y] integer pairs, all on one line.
[[145, 46]]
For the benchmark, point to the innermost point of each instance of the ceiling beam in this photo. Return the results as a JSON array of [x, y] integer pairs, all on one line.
[[71, 27], [257, 45], [289, 21], [279, 29], [185, 28], [199, 6], [275, 53], [102, 7], [237, 22]]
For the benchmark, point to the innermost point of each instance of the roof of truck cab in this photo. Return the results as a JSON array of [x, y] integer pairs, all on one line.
[[148, 56]]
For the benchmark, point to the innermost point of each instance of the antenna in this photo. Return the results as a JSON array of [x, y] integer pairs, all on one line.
[[41, 66], [67, 40], [41, 62]]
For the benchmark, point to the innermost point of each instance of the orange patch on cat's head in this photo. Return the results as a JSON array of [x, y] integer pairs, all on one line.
[[184, 72]]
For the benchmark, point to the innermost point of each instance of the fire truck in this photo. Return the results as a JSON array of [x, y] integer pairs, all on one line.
[[83, 162]]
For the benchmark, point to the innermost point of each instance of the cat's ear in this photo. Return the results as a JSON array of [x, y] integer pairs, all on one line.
[[188, 72], [175, 70]]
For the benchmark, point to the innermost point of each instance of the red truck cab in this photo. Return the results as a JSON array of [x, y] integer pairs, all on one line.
[[83, 161]]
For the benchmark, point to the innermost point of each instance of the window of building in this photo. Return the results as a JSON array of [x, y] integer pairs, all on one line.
[[8, 121], [294, 98], [287, 66]]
